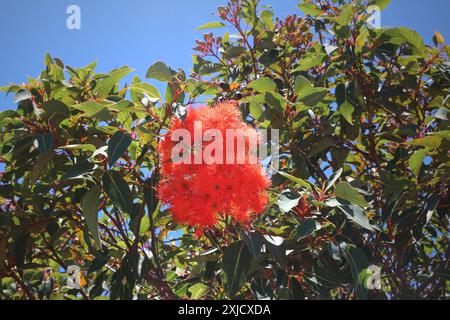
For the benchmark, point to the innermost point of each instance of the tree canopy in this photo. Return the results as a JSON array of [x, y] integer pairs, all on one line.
[[362, 184]]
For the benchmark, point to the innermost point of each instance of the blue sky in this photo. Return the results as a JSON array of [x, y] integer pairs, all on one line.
[[140, 32]]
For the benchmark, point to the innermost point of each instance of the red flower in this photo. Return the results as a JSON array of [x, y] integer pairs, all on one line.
[[198, 194]]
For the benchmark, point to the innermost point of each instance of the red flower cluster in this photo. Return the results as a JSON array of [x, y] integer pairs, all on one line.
[[200, 193]]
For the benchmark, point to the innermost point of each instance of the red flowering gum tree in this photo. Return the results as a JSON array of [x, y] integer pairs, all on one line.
[[92, 205], [199, 193]]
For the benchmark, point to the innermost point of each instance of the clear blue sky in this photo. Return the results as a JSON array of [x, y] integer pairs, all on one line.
[[140, 32]]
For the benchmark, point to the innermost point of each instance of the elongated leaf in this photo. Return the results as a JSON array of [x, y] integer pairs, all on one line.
[[21, 95], [93, 109], [333, 179], [346, 192], [309, 9], [211, 25], [78, 170], [45, 142], [254, 241], [416, 161], [298, 181], [357, 215], [104, 86], [327, 277], [236, 265], [117, 189], [347, 109], [90, 204], [288, 200], [147, 89], [306, 228], [358, 262], [117, 145]]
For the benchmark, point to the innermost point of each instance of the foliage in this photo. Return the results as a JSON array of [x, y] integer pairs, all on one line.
[[363, 177]]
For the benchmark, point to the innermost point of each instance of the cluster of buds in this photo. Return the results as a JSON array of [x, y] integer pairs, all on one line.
[[304, 207], [210, 45], [293, 30], [230, 13]]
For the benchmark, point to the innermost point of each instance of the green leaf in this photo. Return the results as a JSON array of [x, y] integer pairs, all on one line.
[[236, 264], [416, 161], [307, 93], [254, 241], [21, 242], [306, 228], [298, 181], [382, 4], [288, 200], [81, 147], [147, 89], [93, 109], [104, 86], [327, 277], [90, 205], [117, 145], [150, 196], [211, 25], [401, 35], [21, 95], [309, 9], [234, 52], [160, 72], [334, 178], [428, 141], [346, 15], [346, 192], [357, 215], [358, 262], [117, 189], [256, 110], [45, 142], [263, 85], [347, 109], [78, 170], [198, 290], [310, 62], [55, 107]]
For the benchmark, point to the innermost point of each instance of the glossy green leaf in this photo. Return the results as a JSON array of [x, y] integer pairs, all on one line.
[[236, 265], [118, 190], [262, 85], [346, 192], [358, 262], [159, 71], [211, 25], [416, 161], [117, 145], [90, 204]]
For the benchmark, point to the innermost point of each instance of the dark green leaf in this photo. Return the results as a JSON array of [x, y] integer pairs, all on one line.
[[90, 205], [160, 72], [117, 145], [236, 264], [117, 189]]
